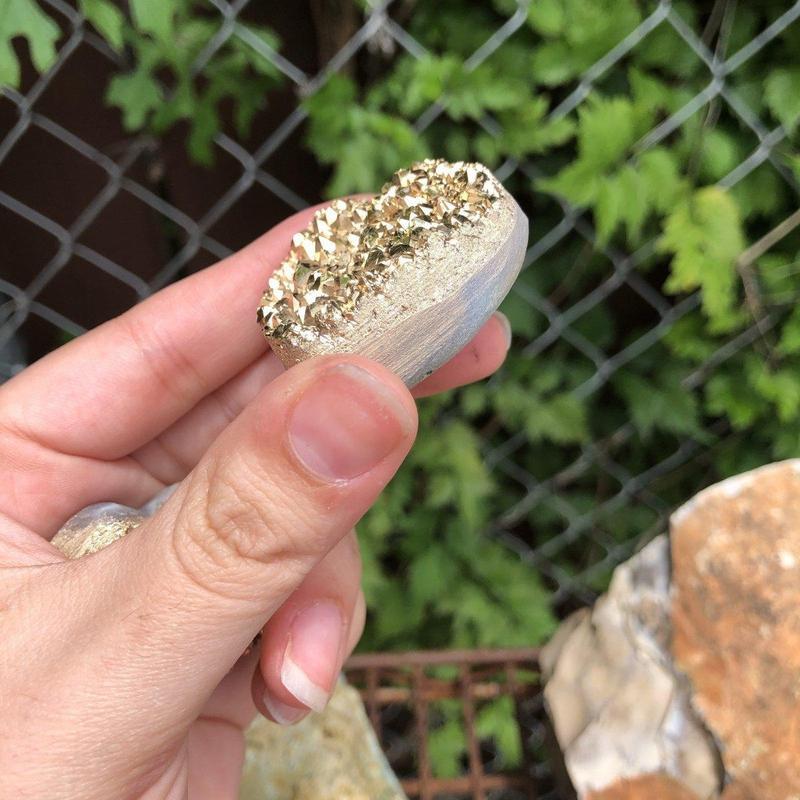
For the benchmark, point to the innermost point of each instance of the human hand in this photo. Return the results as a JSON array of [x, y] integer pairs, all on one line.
[[121, 673]]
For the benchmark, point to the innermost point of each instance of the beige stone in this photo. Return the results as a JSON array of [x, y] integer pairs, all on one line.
[[736, 624], [617, 706], [329, 756]]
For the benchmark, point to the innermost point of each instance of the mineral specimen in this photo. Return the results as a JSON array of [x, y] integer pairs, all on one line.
[[353, 246], [441, 237]]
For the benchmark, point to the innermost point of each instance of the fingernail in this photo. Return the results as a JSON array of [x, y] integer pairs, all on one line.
[[282, 713], [506, 325], [311, 662], [346, 423]]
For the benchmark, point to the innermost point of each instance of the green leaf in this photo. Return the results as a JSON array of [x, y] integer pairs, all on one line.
[[154, 17], [719, 154], [729, 396], [365, 145], [790, 334], [778, 277], [578, 182], [25, 18], [555, 63], [761, 193], [608, 208], [660, 402], [637, 193], [704, 234], [689, 339], [780, 386], [561, 419], [666, 50], [205, 125], [650, 95], [429, 572], [255, 58], [137, 95], [782, 95], [526, 132], [497, 721], [595, 26], [107, 18], [605, 130], [794, 164], [659, 168], [547, 16], [447, 745], [472, 94]]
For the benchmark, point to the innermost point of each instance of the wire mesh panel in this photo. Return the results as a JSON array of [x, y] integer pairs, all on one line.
[[95, 219], [406, 696]]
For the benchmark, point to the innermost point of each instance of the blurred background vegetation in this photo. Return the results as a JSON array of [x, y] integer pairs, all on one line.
[[657, 335]]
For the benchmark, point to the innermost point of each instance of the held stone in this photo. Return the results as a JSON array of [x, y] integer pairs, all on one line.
[[406, 278]]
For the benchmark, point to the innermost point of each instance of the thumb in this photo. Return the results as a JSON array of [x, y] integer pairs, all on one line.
[[187, 591]]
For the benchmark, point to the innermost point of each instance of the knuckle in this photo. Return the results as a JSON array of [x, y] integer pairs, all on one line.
[[171, 368], [239, 522]]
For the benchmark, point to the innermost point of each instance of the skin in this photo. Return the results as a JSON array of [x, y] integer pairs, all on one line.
[[122, 674]]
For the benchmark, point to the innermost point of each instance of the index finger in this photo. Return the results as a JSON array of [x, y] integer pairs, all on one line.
[[116, 387]]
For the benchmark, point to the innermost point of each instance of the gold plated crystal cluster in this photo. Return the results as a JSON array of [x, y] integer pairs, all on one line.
[[353, 246]]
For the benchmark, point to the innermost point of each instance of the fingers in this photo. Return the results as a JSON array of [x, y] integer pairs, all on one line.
[[176, 451], [281, 486], [480, 358], [304, 644], [216, 740], [116, 387]]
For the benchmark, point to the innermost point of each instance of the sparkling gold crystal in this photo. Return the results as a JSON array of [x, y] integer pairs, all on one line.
[[353, 247]]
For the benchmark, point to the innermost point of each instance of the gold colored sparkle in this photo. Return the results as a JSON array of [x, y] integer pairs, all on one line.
[[353, 246], [76, 540]]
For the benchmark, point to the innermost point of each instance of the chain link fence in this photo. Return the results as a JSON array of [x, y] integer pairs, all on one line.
[[29, 303]]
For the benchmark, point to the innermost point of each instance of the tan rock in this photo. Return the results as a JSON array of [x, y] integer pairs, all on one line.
[[329, 756], [736, 624], [734, 791], [646, 787]]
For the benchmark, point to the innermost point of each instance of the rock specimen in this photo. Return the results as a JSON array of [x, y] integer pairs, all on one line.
[[685, 677], [405, 278], [328, 756], [618, 708], [648, 787], [736, 620]]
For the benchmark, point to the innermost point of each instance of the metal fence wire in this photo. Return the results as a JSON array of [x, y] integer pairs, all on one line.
[[403, 694], [121, 176]]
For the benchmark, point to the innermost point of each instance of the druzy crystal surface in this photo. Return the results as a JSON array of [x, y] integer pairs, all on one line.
[[352, 247]]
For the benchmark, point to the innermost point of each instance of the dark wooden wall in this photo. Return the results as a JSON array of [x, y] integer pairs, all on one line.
[[54, 180]]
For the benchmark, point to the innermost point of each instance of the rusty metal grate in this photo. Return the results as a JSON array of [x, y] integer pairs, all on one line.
[[403, 694]]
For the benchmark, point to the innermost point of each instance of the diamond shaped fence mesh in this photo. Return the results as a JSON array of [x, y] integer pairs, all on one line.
[[95, 219]]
